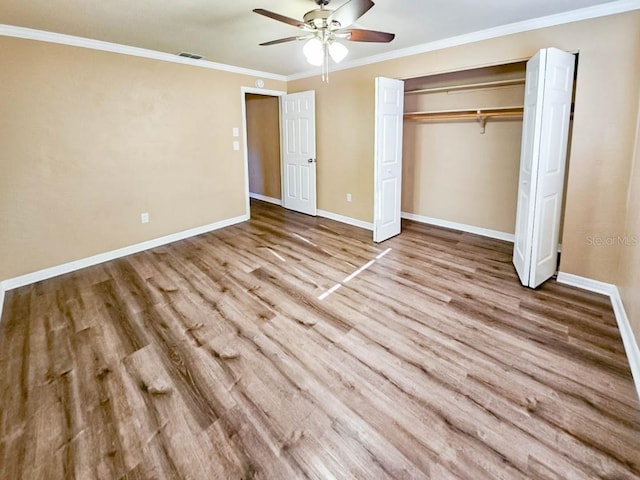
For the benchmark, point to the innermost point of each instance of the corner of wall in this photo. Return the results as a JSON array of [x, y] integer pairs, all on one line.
[[624, 326], [628, 338]]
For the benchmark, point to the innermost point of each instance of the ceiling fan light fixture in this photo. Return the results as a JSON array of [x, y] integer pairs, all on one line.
[[338, 51], [314, 52], [321, 28]]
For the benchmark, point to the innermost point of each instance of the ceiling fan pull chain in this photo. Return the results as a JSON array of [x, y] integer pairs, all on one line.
[[326, 62]]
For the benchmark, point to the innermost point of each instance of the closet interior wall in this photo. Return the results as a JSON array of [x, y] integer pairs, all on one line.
[[454, 169]]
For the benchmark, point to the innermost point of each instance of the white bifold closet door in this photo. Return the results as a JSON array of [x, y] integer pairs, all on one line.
[[387, 172], [545, 132]]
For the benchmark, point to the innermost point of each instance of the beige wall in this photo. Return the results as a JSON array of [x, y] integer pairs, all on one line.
[[452, 171], [89, 140], [629, 271], [603, 127], [344, 134], [263, 144]]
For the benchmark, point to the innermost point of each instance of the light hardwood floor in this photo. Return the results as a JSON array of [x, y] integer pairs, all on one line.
[[213, 358]]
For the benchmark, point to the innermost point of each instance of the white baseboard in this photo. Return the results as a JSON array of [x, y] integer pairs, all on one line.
[[348, 220], [485, 232], [264, 198], [584, 283], [1, 298], [40, 275], [320, 213], [628, 339]]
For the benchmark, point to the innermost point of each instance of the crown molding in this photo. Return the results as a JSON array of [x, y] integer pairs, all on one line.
[[603, 10], [51, 37], [612, 8]]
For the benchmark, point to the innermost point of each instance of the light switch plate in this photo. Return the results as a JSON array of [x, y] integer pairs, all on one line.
[[236, 145], [236, 132]]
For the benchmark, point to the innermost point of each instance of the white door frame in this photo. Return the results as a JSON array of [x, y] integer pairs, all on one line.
[[245, 147]]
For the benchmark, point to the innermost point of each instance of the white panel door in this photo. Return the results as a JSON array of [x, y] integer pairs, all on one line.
[[554, 136], [388, 158], [542, 169], [532, 123], [298, 146]]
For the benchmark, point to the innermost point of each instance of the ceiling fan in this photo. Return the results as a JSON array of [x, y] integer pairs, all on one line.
[[322, 28]]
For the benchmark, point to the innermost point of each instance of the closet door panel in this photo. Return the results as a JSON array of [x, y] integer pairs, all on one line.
[[387, 173], [531, 129], [556, 115]]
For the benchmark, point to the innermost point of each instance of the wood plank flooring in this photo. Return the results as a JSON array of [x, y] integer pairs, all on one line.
[[213, 358]]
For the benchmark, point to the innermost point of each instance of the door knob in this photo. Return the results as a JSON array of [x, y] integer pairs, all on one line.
[[311, 160]]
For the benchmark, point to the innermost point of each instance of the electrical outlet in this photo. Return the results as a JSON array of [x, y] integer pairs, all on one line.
[[236, 132], [349, 197], [236, 145], [144, 218]]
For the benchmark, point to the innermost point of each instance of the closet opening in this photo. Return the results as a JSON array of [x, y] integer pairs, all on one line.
[[462, 147]]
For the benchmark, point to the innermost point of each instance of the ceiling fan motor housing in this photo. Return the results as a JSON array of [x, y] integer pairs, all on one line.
[[318, 18]]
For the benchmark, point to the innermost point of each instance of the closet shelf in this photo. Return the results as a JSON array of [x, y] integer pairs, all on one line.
[[479, 114], [468, 86], [465, 113]]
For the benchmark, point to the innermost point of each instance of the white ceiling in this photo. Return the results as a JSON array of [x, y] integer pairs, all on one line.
[[229, 32]]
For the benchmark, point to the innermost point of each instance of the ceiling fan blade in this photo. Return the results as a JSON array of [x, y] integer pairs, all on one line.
[[281, 40], [280, 18], [356, 35], [350, 12]]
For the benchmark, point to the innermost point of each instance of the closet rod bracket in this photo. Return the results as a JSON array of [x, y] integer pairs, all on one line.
[[482, 120]]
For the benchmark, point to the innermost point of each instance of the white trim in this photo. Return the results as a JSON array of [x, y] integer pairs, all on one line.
[[2, 288], [348, 220], [485, 232], [628, 339], [603, 10], [262, 91], [51, 37], [624, 326], [264, 198], [245, 148], [40, 275], [584, 283]]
